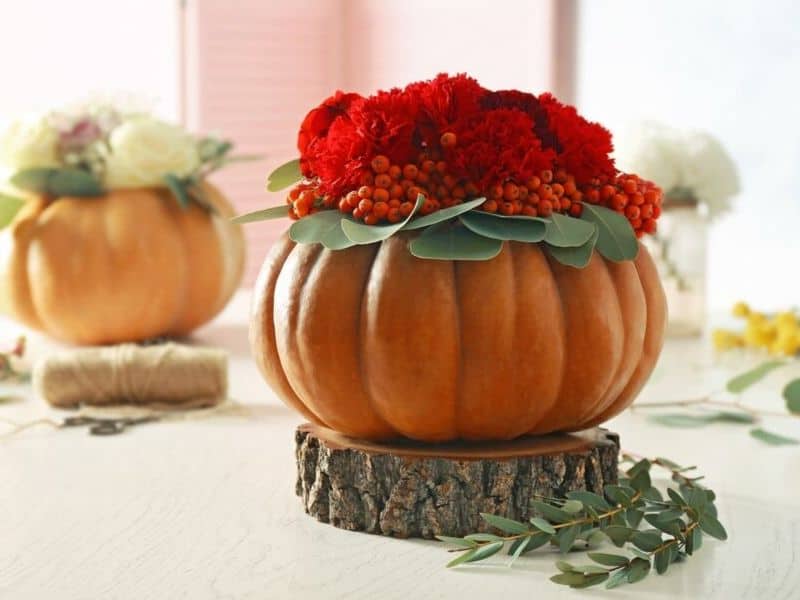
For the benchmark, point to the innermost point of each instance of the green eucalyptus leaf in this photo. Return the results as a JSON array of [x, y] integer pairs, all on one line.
[[266, 214], [486, 551], [634, 517], [550, 512], [463, 557], [178, 187], [591, 579], [621, 494], [456, 541], [568, 232], [616, 240], [443, 214], [58, 182], [9, 207], [641, 481], [565, 567], [791, 393], [694, 541], [359, 233], [619, 535], [682, 420], [773, 439], [577, 257], [639, 467], [661, 561], [570, 579], [447, 242], [483, 537], [743, 381], [499, 227], [589, 499], [617, 579], [572, 506], [533, 542], [589, 569], [36, 179], [610, 560], [638, 570], [542, 525], [710, 525], [284, 176], [566, 537], [503, 524], [647, 541], [324, 227]]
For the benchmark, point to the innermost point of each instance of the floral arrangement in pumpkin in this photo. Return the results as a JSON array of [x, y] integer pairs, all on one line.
[[468, 166], [95, 147]]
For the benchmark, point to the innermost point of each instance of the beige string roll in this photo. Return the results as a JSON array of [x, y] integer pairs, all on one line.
[[166, 375]]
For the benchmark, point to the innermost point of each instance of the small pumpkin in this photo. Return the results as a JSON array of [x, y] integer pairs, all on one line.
[[126, 266], [375, 343]]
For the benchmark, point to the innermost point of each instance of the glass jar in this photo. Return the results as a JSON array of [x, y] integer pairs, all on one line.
[[680, 250]]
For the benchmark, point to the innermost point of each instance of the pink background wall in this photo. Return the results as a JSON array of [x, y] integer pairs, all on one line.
[[252, 69]]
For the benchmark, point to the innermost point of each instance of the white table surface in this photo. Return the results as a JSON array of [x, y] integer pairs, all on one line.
[[205, 509]]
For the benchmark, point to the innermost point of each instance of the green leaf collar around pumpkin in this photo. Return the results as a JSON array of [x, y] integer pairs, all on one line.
[[52, 181], [462, 232]]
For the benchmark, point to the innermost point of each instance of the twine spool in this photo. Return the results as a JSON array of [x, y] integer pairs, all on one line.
[[169, 375]]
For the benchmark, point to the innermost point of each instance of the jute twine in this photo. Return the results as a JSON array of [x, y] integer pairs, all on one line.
[[166, 375]]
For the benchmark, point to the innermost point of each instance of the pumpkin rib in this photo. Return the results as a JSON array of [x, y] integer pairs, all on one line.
[[405, 292], [656, 307], [633, 308], [540, 320], [262, 328], [293, 276], [593, 345], [361, 323]]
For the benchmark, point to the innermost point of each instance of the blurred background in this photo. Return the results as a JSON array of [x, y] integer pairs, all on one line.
[[250, 69]]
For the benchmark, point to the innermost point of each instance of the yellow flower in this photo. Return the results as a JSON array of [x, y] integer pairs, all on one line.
[[144, 149], [29, 143], [726, 340], [786, 343], [741, 309]]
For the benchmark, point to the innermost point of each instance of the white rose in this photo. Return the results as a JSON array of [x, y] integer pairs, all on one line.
[[29, 143], [143, 150]]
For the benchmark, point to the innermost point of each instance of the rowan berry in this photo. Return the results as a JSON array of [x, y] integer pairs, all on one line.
[[489, 206], [448, 139], [365, 206], [510, 191], [365, 191], [383, 181], [410, 172], [529, 211], [545, 208], [547, 176], [380, 208], [371, 219], [632, 212], [396, 191], [380, 164], [393, 216], [576, 209], [406, 208], [395, 172], [506, 208], [380, 195]]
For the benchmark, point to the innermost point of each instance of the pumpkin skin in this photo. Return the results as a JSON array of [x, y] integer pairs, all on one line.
[[126, 266], [377, 344]]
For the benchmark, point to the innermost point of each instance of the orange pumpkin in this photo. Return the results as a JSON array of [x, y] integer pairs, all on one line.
[[126, 266], [375, 343]]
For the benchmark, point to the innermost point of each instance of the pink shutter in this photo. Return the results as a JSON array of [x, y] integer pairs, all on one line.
[[253, 68]]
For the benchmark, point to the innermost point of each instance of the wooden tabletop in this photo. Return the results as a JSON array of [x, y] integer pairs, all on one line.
[[204, 508]]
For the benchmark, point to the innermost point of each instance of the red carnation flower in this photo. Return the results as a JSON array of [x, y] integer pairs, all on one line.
[[319, 120], [386, 121], [444, 102], [498, 145], [339, 159], [527, 103], [583, 148]]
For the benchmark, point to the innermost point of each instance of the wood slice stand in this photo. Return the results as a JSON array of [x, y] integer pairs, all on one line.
[[410, 489]]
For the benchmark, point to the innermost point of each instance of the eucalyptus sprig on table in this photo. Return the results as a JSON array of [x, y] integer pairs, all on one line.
[[461, 232], [676, 525], [710, 408]]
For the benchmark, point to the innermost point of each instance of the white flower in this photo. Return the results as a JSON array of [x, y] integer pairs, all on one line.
[[681, 162], [143, 150], [29, 143]]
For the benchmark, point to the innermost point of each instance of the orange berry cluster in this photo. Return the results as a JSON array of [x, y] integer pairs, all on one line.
[[540, 196], [390, 192], [635, 198], [304, 200]]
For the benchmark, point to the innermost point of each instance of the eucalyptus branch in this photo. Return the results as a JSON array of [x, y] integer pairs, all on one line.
[[683, 516], [733, 409]]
